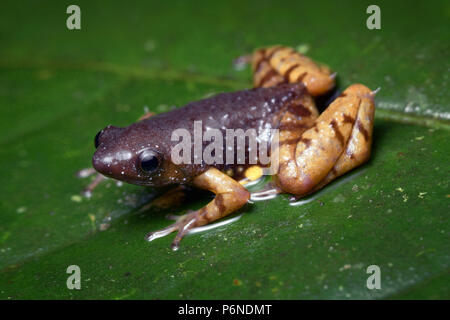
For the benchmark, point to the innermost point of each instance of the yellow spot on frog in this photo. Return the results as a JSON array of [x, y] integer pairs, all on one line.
[[254, 173], [399, 189]]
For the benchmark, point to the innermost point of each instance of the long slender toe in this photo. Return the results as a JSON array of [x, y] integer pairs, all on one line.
[[160, 233]]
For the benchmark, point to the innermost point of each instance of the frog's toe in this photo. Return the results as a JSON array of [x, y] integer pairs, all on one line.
[[183, 224], [160, 233]]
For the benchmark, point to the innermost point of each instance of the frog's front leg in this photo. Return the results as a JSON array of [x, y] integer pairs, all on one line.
[[339, 140], [230, 196], [87, 172]]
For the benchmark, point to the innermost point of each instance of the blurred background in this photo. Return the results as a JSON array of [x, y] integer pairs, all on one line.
[[59, 87]]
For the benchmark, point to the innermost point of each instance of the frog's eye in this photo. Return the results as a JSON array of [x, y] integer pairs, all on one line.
[[148, 161], [97, 138]]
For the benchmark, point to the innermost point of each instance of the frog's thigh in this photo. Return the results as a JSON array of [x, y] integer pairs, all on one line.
[[230, 196], [321, 147]]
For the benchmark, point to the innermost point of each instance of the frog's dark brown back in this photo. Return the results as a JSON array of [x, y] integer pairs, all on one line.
[[245, 109], [258, 108]]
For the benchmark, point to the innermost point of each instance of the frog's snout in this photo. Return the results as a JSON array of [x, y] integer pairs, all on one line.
[[115, 163], [109, 157], [99, 164]]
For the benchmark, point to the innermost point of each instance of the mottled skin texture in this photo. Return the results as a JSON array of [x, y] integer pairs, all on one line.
[[313, 149]]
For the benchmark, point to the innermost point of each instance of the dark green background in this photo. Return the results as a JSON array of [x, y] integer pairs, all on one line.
[[59, 87]]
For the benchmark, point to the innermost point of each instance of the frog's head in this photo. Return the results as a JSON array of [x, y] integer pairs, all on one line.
[[135, 154]]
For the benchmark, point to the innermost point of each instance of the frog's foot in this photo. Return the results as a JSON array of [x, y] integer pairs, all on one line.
[[339, 140], [241, 62], [183, 224], [269, 191], [230, 196], [87, 172]]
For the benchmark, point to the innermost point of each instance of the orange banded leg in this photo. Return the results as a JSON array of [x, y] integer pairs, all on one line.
[[278, 64], [230, 196], [339, 140], [359, 145]]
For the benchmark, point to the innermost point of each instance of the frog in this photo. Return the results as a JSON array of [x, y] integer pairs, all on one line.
[[312, 149]]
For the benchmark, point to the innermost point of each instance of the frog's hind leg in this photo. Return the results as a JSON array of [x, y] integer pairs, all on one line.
[[230, 196], [339, 140], [278, 64]]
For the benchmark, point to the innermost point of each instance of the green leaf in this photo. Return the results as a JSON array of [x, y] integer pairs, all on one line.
[[59, 87]]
